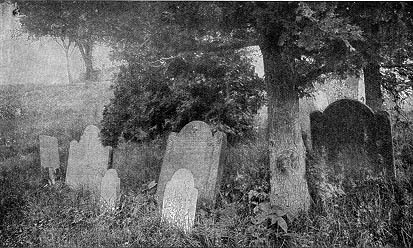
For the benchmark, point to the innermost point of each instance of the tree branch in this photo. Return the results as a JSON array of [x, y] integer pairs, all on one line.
[[72, 44], [389, 66], [81, 48], [314, 74], [57, 41], [218, 46], [66, 47]]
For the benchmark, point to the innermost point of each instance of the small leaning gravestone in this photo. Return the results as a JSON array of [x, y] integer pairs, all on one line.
[[49, 155], [179, 201], [109, 190], [88, 161]]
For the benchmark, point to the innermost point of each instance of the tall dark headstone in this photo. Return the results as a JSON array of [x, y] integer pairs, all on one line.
[[353, 139]]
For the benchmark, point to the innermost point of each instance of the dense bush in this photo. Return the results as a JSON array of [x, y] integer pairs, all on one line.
[[220, 89]]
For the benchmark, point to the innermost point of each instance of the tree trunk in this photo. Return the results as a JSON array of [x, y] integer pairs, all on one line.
[[69, 73], [289, 188], [86, 48], [372, 79]]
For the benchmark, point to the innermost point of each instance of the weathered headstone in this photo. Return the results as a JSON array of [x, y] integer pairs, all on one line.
[[109, 190], [49, 155], [88, 161], [200, 151], [180, 199], [318, 101], [352, 138], [261, 121]]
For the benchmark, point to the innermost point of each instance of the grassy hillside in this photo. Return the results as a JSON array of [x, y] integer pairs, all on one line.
[[54, 109], [62, 111]]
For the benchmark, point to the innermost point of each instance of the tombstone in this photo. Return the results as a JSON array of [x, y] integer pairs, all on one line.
[[317, 131], [49, 155], [88, 161], [318, 101], [361, 88], [109, 190], [352, 138], [199, 150], [180, 199], [261, 121]]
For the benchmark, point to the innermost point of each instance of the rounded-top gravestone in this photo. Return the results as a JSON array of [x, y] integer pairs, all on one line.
[[199, 150], [110, 190], [49, 155], [180, 199], [88, 161], [353, 139]]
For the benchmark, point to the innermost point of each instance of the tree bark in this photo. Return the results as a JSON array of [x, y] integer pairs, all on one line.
[[372, 80], [66, 47], [86, 48], [289, 188], [69, 73]]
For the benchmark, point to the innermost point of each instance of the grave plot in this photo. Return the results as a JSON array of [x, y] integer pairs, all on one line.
[[353, 140], [199, 150], [49, 155], [88, 161], [180, 199], [109, 190]]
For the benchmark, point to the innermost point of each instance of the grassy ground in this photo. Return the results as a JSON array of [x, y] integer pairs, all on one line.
[[373, 212]]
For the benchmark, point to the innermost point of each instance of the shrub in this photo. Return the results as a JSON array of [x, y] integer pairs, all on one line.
[[140, 163], [150, 101]]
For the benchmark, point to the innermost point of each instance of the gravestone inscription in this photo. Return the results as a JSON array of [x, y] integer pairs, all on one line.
[[88, 161], [49, 155], [201, 152], [180, 199]]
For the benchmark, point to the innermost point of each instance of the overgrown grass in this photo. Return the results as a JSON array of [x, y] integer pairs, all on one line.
[[373, 212], [63, 111], [138, 164]]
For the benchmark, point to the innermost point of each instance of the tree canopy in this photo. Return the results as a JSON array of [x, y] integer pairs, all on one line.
[[387, 48], [69, 23]]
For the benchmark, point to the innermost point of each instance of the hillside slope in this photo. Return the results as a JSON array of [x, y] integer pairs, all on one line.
[[58, 110]]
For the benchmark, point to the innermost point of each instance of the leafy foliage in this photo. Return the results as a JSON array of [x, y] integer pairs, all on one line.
[[221, 89], [70, 24], [387, 48]]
